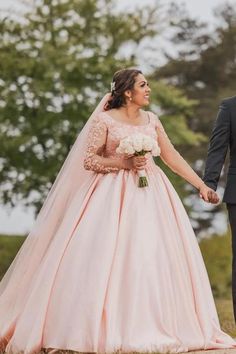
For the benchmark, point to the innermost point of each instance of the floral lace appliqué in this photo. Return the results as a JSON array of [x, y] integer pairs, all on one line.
[[95, 148]]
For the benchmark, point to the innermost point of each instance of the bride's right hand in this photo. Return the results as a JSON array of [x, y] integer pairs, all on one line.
[[135, 162]]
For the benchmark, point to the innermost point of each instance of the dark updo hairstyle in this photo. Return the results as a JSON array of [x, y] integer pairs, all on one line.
[[122, 81]]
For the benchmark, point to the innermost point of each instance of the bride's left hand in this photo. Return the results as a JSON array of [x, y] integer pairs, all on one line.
[[208, 194]]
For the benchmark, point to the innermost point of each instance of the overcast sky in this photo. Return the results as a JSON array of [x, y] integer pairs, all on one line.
[[199, 8], [20, 220]]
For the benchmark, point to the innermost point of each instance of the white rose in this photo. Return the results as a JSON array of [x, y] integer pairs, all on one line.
[[148, 143], [156, 151], [137, 142], [124, 145], [129, 150]]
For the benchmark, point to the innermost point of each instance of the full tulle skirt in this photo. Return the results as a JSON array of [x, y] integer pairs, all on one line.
[[124, 272]]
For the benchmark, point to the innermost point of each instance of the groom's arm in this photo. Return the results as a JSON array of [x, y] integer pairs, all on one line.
[[218, 147]]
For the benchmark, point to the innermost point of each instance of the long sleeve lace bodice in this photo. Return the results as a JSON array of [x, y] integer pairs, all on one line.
[[97, 138], [105, 135], [103, 139]]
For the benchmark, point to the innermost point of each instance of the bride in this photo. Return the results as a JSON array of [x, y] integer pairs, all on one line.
[[112, 264]]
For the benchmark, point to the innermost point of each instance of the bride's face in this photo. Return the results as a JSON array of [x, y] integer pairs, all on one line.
[[141, 92]]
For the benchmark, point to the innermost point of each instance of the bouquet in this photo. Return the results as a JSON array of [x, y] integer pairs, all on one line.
[[139, 144]]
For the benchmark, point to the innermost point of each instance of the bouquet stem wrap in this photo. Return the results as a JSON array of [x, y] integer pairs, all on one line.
[[138, 145], [142, 181]]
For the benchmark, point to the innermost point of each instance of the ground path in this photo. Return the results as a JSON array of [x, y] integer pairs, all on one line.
[[210, 351]]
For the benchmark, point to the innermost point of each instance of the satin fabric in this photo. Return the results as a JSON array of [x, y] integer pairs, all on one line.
[[123, 272]]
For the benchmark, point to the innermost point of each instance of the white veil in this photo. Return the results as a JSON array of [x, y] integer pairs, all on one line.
[[26, 264]]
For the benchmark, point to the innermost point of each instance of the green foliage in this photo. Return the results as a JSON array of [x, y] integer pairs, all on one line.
[[225, 311], [217, 256], [175, 111], [9, 246], [204, 68], [55, 65]]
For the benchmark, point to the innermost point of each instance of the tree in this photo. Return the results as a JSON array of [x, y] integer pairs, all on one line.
[[205, 66], [55, 65], [205, 69]]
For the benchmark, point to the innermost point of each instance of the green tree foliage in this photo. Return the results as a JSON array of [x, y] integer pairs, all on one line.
[[175, 111], [54, 65], [204, 67], [217, 257], [9, 246]]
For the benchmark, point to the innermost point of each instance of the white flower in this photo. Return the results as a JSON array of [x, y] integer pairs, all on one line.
[[148, 143], [113, 86], [129, 150], [156, 151], [126, 146], [137, 142]]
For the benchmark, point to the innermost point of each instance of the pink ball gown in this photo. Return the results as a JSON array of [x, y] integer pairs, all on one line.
[[124, 273]]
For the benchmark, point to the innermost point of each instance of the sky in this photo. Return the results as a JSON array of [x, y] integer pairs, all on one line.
[[20, 220], [199, 8]]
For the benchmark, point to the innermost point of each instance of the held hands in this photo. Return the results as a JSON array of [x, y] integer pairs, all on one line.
[[208, 194]]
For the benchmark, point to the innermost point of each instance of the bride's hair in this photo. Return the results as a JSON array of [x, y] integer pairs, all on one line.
[[122, 81]]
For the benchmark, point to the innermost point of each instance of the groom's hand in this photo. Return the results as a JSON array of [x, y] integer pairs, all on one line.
[[208, 194], [213, 197]]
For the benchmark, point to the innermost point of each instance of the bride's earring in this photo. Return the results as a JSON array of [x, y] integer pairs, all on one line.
[[130, 98]]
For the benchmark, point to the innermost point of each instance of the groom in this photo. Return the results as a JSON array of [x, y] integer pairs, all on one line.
[[224, 137]]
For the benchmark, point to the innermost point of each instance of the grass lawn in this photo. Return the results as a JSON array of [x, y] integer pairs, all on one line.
[[9, 246], [225, 312]]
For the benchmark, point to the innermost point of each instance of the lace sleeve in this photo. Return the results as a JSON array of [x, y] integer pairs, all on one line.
[[172, 158], [95, 147]]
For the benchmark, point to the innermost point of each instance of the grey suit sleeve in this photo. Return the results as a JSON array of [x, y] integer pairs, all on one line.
[[218, 147]]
